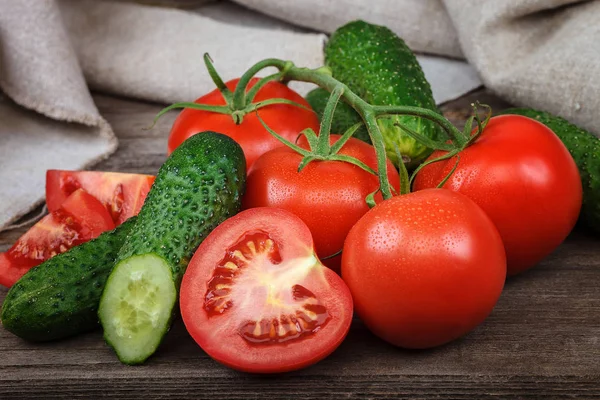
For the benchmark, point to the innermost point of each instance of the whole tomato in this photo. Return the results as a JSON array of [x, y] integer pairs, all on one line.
[[424, 268], [329, 196], [520, 173], [285, 119]]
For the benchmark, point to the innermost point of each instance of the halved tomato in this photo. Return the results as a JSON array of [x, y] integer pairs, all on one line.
[[256, 298], [81, 218], [122, 194]]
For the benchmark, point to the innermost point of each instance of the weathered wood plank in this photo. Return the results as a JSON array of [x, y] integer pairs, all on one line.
[[542, 340]]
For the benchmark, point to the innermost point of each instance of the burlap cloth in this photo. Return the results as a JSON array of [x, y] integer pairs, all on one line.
[[538, 53]]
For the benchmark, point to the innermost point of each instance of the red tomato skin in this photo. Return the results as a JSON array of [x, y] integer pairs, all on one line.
[[285, 119], [122, 194], [10, 272], [216, 335], [329, 196], [523, 177], [424, 268], [81, 218]]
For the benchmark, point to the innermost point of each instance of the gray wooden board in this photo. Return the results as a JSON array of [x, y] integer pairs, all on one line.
[[541, 341]]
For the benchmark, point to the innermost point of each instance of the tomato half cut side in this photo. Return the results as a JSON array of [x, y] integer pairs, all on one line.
[[256, 298], [122, 194], [81, 218]]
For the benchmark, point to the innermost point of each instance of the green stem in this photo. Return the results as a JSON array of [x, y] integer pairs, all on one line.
[[379, 145], [239, 95], [365, 110], [337, 146], [426, 163], [403, 172], [195, 106], [441, 184], [253, 91], [214, 75], [453, 133], [283, 140], [368, 113], [325, 128], [424, 140], [269, 102]]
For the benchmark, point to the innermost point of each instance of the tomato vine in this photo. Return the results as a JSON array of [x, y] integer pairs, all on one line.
[[241, 102]]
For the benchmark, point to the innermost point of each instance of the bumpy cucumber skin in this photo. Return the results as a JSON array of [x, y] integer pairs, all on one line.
[[59, 298], [198, 187], [585, 149], [343, 118], [380, 68]]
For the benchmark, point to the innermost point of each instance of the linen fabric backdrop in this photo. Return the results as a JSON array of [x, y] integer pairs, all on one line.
[[537, 53]]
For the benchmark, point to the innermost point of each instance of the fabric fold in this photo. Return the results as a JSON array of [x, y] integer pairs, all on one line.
[[536, 53], [155, 53], [39, 71], [425, 25]]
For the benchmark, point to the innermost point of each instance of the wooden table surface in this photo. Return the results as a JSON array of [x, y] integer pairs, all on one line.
[[542, 340]]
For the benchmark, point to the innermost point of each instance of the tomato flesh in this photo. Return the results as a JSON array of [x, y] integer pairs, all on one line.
[[253, 258], [256, 298], [81, 218], [122, 194], [58, 232]]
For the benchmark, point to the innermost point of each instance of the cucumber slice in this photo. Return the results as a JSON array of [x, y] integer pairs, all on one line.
[[198, 187], [137, 303]]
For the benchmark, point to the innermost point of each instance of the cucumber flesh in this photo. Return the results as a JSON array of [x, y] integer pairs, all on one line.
[[198, 187], [139, 296]]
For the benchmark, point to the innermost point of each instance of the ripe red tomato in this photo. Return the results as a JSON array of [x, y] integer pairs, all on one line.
[[285, 119], [122, 194], [256, 298], [524, 178], [329, 196], [80, 218], [424, 268]]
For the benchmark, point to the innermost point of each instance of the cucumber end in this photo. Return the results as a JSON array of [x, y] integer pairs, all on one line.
[[136, 306]]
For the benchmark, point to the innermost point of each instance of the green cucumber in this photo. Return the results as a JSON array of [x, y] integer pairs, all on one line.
[[59, 298], [196, 189], [380, 68], [343, 118], [585, 149]]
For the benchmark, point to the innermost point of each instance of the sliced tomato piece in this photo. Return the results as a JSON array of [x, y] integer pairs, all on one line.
[[122, 194], [256, 298], [81, 218]]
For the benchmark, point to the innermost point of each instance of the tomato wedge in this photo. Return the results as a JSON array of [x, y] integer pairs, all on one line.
[[256, 298], [81, 218], [122, 194]]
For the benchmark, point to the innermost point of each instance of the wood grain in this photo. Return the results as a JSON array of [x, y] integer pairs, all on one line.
[[541, 341]]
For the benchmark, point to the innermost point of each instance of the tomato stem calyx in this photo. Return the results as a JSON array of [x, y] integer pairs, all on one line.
[[239, 102], [320, 147]]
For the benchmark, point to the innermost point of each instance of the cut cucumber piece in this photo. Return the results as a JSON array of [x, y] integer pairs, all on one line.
[[198, 187], [137, 308], [59, 298]]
